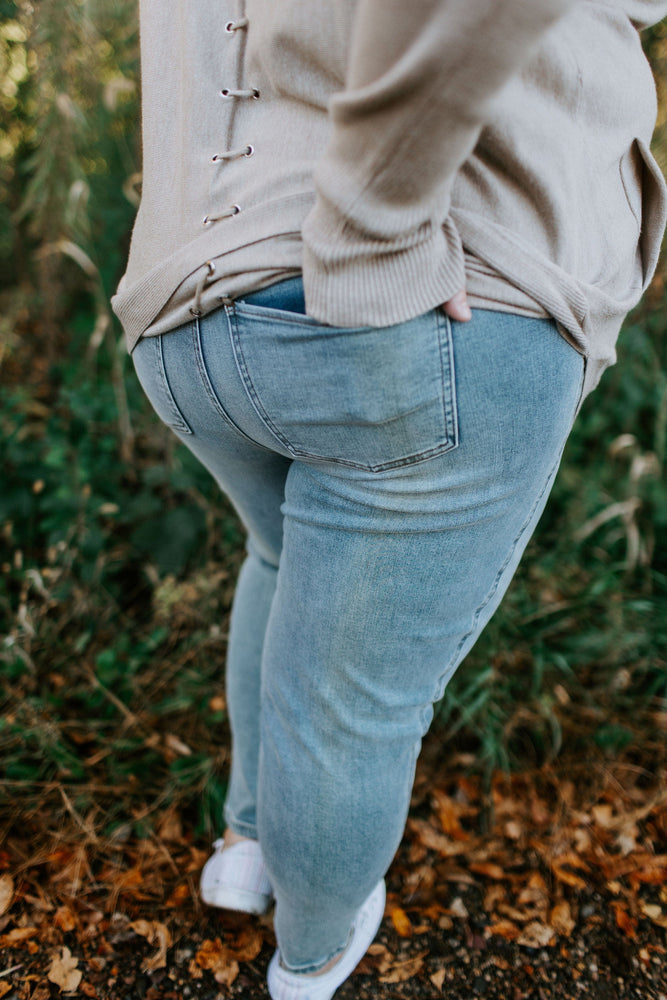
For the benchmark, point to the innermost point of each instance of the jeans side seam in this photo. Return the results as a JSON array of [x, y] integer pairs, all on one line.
[[178, 421], [210, 391], [453, 662]]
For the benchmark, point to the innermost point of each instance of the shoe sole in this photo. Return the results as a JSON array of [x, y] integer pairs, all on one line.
[[237, 899], [284, 985]]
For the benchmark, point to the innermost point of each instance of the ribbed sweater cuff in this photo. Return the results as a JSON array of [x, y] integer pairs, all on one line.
[[354, 281]]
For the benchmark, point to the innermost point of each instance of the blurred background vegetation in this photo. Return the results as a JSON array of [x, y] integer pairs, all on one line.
[[118, 555]]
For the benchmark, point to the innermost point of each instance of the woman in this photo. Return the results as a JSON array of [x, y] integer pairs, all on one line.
[[383, 252]]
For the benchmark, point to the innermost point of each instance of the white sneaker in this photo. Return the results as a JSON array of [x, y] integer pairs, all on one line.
[[284, 985], [235, 878]]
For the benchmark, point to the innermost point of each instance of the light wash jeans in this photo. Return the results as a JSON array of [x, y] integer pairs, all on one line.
[[389, 480]]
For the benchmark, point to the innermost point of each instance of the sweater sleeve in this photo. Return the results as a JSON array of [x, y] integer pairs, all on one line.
[[379, 245]]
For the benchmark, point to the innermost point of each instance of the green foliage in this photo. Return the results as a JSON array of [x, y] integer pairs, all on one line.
[[118, 555]]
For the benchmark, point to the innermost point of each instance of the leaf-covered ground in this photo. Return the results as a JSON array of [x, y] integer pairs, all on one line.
[[550, 883]]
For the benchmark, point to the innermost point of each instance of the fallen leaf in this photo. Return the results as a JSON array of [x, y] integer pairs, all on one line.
[[401, 922], [458, 909], [195, 970], [489, 869], [654, 913], [566, 876], [64, 919], [247, 945], [448, 815], [17, 936], [156, 934], [536, 935], [180, 895], [513, 830], [438, 978], [64, 972], [5, 988], [505, 929], [6, 893], [215, 956], [433, 840], [603, 815], [171, 827], [400, 972], [562, 920], [624, 921], [377, 959]]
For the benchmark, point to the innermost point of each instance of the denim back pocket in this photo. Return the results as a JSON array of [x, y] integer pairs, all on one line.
[[370, 398]]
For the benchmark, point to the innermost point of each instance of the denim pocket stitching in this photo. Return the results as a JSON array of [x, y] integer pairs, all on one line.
[[177, 421], [448, 371], [448, 394], [208, 386]]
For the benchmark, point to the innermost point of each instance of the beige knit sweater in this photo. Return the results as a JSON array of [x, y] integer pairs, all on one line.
[[368, 143]]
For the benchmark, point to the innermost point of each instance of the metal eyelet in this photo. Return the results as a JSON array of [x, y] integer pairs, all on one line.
[[255, 94], [224, 93], [230, 28], [249, 150], [237, 209]]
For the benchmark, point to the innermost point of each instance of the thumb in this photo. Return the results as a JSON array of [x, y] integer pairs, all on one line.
[[457, 307]]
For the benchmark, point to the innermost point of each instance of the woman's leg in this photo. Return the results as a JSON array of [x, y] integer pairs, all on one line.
[[186, 374], [385, 581]]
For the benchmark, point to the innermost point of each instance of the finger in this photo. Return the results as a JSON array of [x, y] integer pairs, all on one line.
[[457, 308]]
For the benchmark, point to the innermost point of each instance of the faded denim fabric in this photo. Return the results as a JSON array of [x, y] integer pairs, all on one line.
[[389, 480]]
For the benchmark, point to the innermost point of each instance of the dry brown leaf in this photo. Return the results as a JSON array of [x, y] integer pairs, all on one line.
[[64, 972], [513, 829], [17, 936], [488, 869], [64, 919], [171, 827], [401, 922], [6, 893], [603, 815], [564, 875], [536, 935], [649, 869], [521, 916], [400, 972], [377, 959], [624, 921], [248, 944], [535, 891], [156, 934], [195, 970], [215, 956], [438, 978], [505, 929], [654, 913], [562, 920], [5, 988], [458, 909], [448, 815], [433, 840], [180, 895]]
